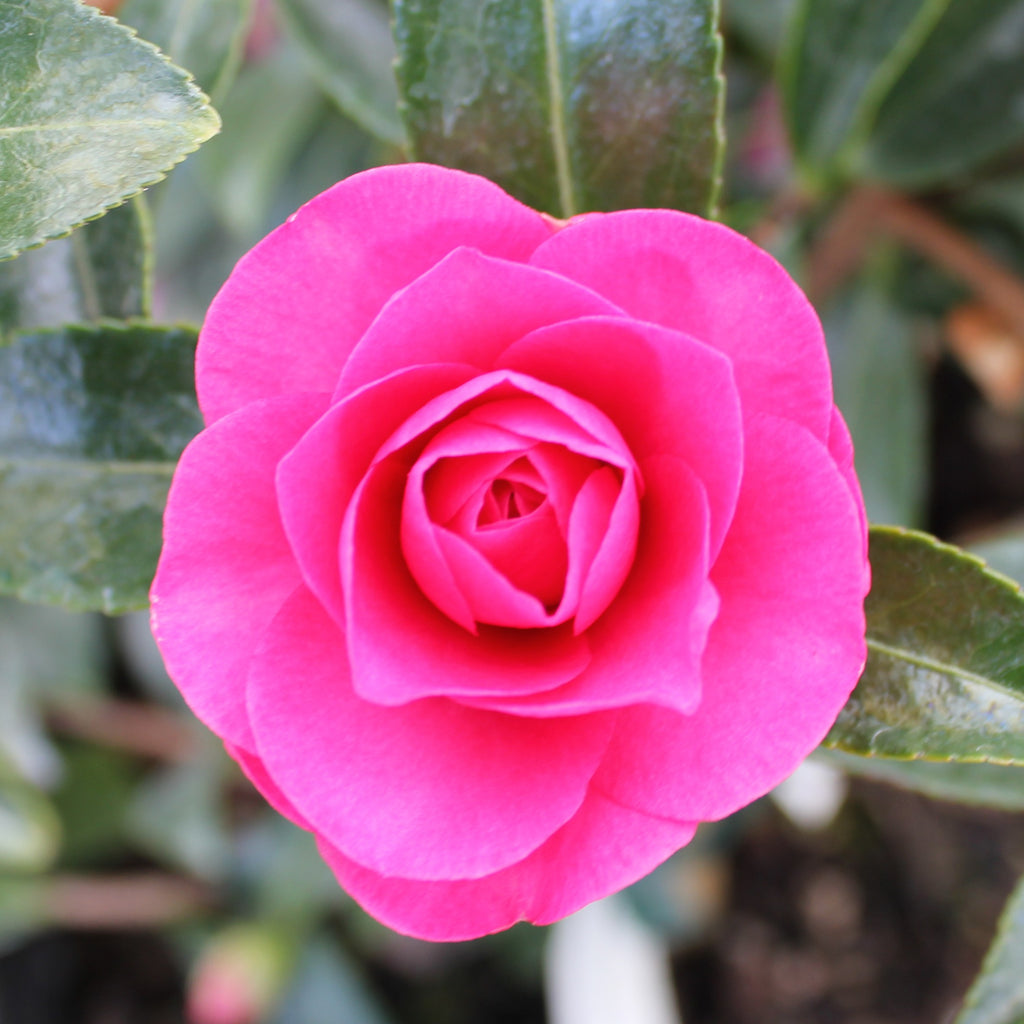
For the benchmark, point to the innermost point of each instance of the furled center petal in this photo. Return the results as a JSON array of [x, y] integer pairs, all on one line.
[[515, 515]]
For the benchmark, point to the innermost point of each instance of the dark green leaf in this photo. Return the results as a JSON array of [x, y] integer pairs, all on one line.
[[350, 49], [841, 58], [945, 673], [569, 105], [89, 115], [92, 421], [997, 995], [960, 100], [880, 388], [999, 786], [101, 271], [205, 37]]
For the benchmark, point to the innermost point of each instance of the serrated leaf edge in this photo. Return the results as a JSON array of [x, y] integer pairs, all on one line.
[[205, 105]]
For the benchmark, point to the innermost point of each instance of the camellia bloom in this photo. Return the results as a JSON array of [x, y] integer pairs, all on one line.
[[512, 549]]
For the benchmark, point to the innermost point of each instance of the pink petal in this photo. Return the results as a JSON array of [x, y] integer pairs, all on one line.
[[465, 310], [452, 485], [401, 647], [666, 393], [429, 790], [704, 279], [840, 444], [784, 654], [316, 479], [226, 566], [492, 597], [647, 646], [580, 418], [604, 526], [529, 552], [604, 848], [296, 304]]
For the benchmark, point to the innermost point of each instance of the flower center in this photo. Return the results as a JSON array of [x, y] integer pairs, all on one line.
[[508, 499], [518, 514]]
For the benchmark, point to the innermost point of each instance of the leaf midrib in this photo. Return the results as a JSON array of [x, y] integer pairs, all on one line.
[[943, 668], [556, 111]]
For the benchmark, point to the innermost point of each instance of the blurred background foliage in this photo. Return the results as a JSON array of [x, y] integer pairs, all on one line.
[[877, 149]]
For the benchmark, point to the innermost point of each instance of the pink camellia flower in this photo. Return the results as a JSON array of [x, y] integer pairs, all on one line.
[[512, 549]]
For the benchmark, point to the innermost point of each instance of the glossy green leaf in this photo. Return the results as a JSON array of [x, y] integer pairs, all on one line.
[[349, 46], [997, 995], [999, 786], [880, 388], [206, 37], [100, 271], [89, 115], [959, 101], [945, 673], [92, 421], [568, 104], [841, 58]]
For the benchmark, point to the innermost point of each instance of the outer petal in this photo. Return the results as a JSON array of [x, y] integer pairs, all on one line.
[[226, 566], [840, 444], [667, 394], [465, 310], [316, 480], [401, 647], [703, 278], [391, 786], [602, 849], [784, 653], [296, 304]]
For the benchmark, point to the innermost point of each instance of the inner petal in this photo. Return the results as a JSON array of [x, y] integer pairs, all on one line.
[[507, 500], [494, 500], [511, 523]]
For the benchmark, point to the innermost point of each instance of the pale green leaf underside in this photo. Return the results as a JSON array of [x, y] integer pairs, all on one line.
[[569, 105], [945, 673], [92, 421], [89, 115]]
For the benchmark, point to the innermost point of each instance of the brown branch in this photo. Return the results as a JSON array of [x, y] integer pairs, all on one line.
[[126, 725], [145, 900], [870, 211]]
